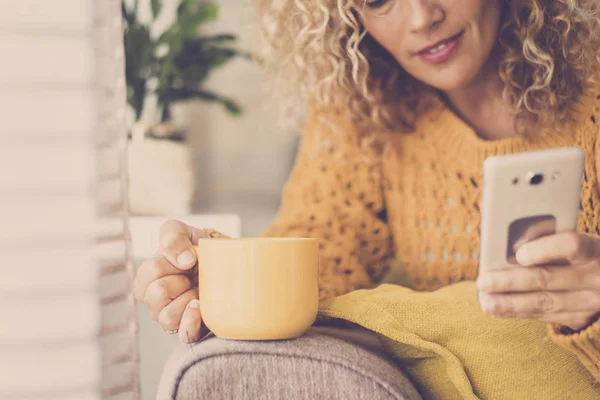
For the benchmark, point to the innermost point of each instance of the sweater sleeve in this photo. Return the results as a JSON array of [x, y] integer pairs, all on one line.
[[335, 195], [586, 343]]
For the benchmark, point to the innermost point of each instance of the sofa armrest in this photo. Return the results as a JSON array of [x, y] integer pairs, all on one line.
[[324, 363]]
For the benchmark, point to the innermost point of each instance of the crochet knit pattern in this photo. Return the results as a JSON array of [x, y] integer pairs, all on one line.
[[416, 204]]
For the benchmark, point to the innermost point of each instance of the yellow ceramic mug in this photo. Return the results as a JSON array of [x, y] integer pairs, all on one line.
[[258, 289]]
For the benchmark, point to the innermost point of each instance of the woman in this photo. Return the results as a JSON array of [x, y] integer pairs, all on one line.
[[408, 99]]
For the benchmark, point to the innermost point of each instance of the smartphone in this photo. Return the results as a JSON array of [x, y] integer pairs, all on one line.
[[527, 196]]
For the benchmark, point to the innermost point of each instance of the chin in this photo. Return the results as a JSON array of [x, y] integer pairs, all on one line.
[[450, 79]]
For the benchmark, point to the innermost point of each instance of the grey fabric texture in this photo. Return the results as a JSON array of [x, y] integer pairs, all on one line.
[[325, 363]]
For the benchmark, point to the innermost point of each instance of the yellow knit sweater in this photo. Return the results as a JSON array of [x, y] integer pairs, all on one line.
[[416, 203]]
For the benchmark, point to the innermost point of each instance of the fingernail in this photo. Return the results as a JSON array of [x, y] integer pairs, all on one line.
[[185, 258], [523, 257], [194, 304]]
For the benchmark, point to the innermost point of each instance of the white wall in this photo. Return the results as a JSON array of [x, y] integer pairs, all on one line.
[[242, 162]]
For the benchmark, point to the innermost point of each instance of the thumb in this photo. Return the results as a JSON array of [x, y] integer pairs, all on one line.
[[177, 242], [535, 228]]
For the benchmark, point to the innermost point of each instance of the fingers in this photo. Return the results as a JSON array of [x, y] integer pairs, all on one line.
[[570, 246], [166, 283], [150, 271], [546, 306], [544, 278], [191, 321], [170, 316], [536, 230], [176, 243], [163, 291]]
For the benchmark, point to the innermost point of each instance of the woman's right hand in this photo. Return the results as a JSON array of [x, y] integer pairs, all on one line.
[[168, 283]]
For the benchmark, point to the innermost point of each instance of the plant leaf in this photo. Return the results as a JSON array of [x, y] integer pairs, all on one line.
[[232, 107], [138, 59], [181, 94], [179, 59], [207, 12], [192, 13], [156, 7], [194, 75], [127, 15], [220, 38], [164, 38], [210, 57]]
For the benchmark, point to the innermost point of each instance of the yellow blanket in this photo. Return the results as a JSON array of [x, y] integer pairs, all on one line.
[[452, 350]]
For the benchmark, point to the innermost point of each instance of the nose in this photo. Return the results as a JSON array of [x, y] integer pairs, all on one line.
[[424, 14]]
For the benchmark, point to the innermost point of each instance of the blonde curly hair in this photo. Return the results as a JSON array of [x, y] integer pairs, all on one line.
[[318, 51]]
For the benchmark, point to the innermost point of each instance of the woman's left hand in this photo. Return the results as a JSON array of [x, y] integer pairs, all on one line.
[[558, 281]]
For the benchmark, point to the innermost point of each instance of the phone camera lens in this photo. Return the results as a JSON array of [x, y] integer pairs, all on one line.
[[536, 179]]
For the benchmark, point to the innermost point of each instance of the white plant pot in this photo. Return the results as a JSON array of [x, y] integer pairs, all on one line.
[[161, 176]]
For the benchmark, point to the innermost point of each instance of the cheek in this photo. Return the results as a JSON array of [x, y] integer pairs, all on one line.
[[487, 19], [492, 19]]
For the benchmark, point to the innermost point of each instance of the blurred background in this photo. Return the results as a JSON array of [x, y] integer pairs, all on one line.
[[205, 143], [86, 182], [205, 135]]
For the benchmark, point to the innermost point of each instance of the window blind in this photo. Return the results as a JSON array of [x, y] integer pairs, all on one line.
[[67, 327]]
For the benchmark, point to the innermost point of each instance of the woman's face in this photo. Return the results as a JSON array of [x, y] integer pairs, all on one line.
[[443, 43]]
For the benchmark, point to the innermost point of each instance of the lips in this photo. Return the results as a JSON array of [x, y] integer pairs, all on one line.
[[439, 46]]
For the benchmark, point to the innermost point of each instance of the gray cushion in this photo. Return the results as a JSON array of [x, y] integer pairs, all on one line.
[[325, 363]]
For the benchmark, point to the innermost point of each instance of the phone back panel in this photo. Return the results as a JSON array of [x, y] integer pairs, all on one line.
[[528, 195]]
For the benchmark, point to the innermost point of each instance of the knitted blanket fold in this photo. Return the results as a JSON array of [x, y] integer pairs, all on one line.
[[452, 350]]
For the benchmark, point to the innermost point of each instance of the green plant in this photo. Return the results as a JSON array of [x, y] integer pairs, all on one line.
[[177, 62]]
